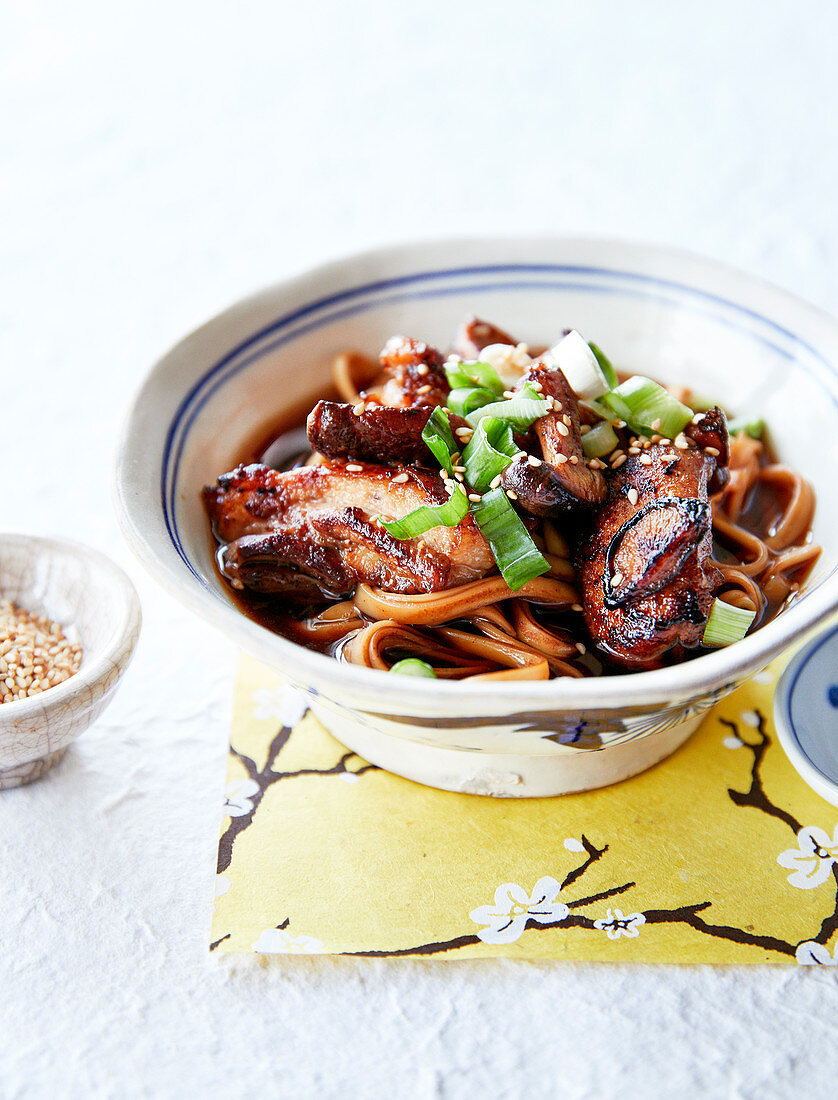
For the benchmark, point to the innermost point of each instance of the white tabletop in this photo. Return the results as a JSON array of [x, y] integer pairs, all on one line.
[[159, 160]]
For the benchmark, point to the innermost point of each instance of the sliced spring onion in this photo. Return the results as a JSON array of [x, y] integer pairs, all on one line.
[[519, 411], [642, 403], [754, 426], [605, 365], [488, 452], [580, 366], [468, 375], [439, 439], [465, 400], [412, 666], [727, 624], [600, 440], [518, 558], [423, 519]]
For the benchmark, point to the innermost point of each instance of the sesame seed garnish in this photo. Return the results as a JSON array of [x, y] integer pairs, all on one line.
[[562, 428], [573, 460], [354, 468], [400, 478], [576, 607], [474, 496], [618, 423], [423, 368], [699, 416], [359, 408], [511, 494], [655, 437], [557, 404], [681, 442], [617, 578], [533, 461], [656, 423], [714, 451], [459, 477], [634, 450], [34, 655], [616, 453], [424, 389], [508, 394], [632, 495], [537, 386], [646, 460], [580, 646], [664, 442], [561, 459], [464, 433], [566, 419], [495, 482], [617, 463]]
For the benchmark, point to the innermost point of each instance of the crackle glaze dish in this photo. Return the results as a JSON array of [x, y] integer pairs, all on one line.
[[92, 598], [660, 312]]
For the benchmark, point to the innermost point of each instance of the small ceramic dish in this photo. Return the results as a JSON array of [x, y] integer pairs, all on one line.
[[656, 311], [96, 603], [806, 713]]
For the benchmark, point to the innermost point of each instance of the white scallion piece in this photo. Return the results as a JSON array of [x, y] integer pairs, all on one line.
[[580, 367]]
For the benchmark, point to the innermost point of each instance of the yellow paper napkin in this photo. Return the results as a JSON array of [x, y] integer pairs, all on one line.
[[720, 854]]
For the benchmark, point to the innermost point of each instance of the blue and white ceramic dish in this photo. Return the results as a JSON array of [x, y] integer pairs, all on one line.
[[806, 713], [656, 311]]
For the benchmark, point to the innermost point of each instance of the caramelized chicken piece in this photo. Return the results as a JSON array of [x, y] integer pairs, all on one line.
[[562, 482], [415, 374], [645, 569], [379, 434], [710, 433], [319, 521], [474, 335]]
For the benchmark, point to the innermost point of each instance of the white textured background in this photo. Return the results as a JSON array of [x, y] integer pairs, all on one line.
[[158, 160]]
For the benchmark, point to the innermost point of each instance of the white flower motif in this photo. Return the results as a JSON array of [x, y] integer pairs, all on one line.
[[616, 924], [283, 702], [815, 954], [574, 845], [812, 862], [237, 797], [750, 718], [508, 917], [276, 941], [733, 742]]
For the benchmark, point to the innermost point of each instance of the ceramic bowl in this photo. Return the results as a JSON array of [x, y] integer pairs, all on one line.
[[96, 604], [665, 313], [806, 713]]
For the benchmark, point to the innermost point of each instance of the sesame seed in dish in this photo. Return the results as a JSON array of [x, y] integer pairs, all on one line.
[[35, 654]]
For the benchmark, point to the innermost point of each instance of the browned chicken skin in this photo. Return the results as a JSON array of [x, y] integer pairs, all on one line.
[[474, 335], [381, 433], [645, 569], [415, 374], [562, 483], [318, 521]]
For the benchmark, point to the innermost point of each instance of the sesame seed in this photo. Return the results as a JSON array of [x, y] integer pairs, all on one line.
[[573, 460], [698, 418], [459, 477], [424, 389], [580, 646], [616, 453], [464, 433], [533, 461], [359, 408], [656, 423], [474, 496], [354, 468], [632, 495], [655, 437], [681, 442], [617, 463], [618, 423], [714, 451], [664, 441], [495, 482], [511, 494], [508, 394], [557, 404], [561, 459], [562, 428], [646, 460], [423, 368], [576, 607], [617, 578], [537, 386], [400, 478], [566, 419]]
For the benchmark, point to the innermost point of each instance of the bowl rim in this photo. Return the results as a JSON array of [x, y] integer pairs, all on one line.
[[117, 650], [800, 760], [691, 678]]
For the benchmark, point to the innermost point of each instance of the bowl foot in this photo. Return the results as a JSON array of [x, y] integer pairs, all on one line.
[[505, 775], [21, 774]]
